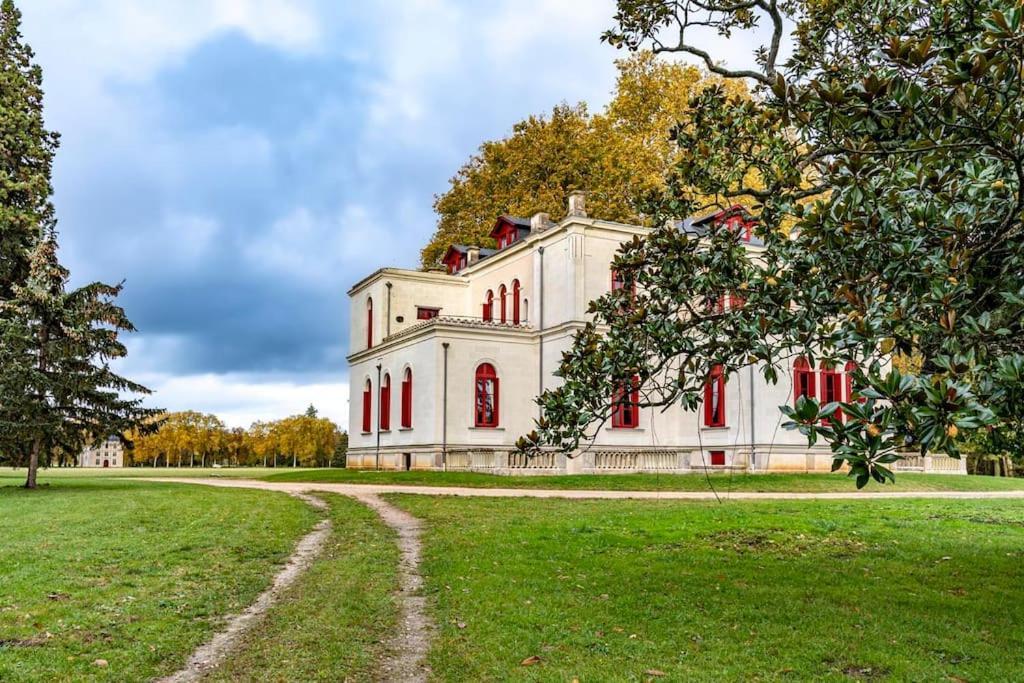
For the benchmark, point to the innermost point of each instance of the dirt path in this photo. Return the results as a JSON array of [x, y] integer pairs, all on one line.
[[406, 658], [357, 490], [210, 654], [408, 646]]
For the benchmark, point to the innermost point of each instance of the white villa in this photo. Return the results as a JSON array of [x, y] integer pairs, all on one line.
[[445, 367], [106, 453]]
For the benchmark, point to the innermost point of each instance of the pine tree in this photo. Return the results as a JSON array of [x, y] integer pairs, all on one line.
[[57, 389], [26, 153]]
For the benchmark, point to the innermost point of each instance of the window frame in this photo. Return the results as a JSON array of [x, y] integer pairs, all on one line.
[[803, 368], [384, 409], [488, 313], [502, 294], [626, 413], [715, 383], [367, 407], [516, 295], [405, 419], [486, 374], [369, 322]]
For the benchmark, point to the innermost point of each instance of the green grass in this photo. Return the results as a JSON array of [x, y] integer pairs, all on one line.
[[135, 573], [722, 482], [907, 481], [330, 624], [786, 590]]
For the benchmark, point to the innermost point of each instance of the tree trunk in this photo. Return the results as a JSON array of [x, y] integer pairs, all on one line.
[[264, 460], [203, 464], [33, 463], [294, 461]]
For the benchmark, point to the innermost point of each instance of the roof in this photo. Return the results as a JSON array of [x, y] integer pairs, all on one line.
[[699, 225], [520, 224]]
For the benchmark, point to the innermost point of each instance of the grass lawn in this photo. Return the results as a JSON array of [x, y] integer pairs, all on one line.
[[722, 482], [907, 481], [134, 573], [786, 590], [330, 624]]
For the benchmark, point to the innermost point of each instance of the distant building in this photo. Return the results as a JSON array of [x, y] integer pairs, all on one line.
[[107, 453], [445, 367]]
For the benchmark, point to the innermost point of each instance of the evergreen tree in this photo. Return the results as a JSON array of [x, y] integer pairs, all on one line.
[[57, 389], [26, 153]]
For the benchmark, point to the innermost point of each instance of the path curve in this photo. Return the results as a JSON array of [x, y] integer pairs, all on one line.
[[357, 490], [209, 655]]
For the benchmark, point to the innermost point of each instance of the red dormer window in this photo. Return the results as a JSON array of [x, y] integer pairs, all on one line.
[[454, 260], [505, 232]]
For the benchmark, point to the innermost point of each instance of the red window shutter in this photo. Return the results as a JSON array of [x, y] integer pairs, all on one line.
[[714, 398], [367, 407], [385, 404], [501, 304], [718, 458], [803, 379], [407, 400], [369, 323], [515, 302]]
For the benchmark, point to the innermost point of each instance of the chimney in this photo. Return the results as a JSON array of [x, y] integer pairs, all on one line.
[[577, 204], [539, 222], [472, 255]]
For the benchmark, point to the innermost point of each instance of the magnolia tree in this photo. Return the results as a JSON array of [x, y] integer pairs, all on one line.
[[883, 160]]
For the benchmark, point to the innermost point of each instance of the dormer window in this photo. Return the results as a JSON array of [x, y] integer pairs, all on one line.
[[508, 230]]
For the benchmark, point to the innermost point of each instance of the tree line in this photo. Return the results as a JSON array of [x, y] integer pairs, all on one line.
[[193, 439]]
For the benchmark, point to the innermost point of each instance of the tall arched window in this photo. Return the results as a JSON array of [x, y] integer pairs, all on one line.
[[849, 369], [803, 379], [489, 306], [385, 403], [407, 399], [502, 292], [626, 405], [486, 396], [831, 387], [515, 302], [714, 398], [367, 406], [369, 323]]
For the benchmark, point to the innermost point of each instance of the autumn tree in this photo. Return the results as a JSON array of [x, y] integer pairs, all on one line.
[[890, 156], [618, 156]]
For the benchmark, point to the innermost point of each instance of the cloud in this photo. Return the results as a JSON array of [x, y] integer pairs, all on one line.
[[240, 163]]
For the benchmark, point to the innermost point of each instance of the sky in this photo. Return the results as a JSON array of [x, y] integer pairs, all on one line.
[[239, 164]]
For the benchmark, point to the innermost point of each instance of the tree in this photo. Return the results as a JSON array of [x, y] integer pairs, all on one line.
[[57, 387], [617, 156], [28, 150], [888, 156]]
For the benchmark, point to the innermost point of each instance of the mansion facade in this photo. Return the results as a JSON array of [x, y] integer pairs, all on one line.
[[445, 367]]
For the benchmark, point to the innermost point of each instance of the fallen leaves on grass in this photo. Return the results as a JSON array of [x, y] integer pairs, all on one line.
[[530, 661]]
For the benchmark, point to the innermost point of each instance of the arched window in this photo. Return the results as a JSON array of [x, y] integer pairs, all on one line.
[[831, 387], [515, 302], [385, 403], [367, 406], [803, 379], [714, 398], [369, 323], [626, 405], [849, 370], [407, 399], [486, 396], [489, 306], [502, 292]]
